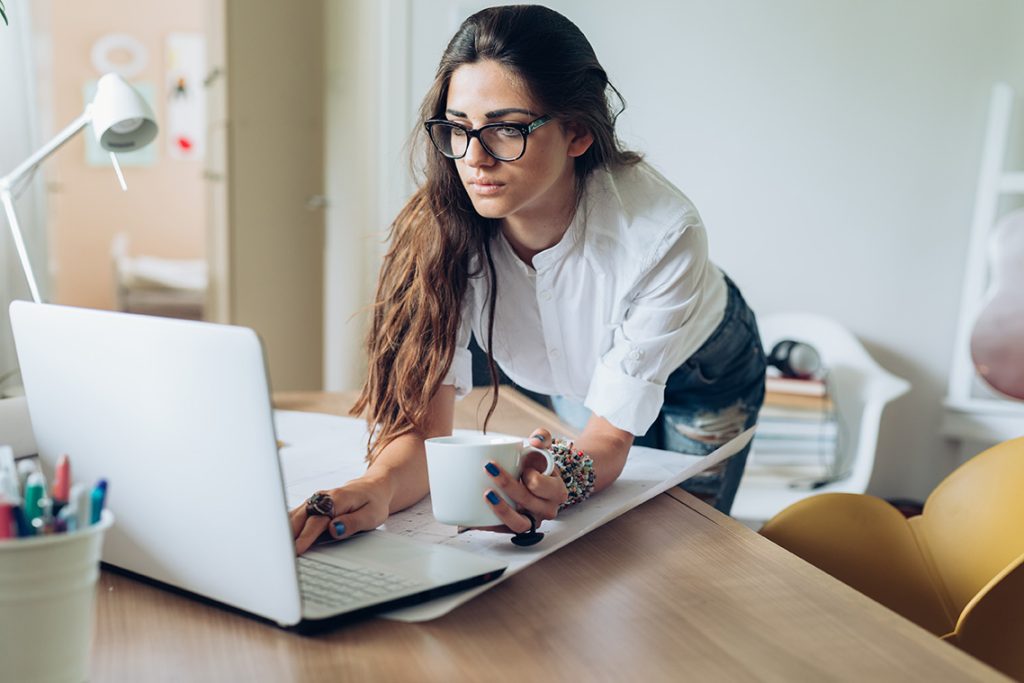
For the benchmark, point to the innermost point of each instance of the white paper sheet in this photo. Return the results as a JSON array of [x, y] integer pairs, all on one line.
[[325, 451]]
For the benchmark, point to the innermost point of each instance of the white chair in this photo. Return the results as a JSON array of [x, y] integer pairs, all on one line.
[[860, 388]]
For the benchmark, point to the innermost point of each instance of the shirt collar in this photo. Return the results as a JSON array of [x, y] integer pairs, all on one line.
[[556, 253], [553, 254]]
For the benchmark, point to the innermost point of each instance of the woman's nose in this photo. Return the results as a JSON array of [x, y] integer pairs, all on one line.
[[476, 155]]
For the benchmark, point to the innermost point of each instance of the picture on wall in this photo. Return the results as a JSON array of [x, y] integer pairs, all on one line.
[[185, 94]]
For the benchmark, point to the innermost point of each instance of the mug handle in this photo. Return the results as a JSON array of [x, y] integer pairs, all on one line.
[[547, 456]]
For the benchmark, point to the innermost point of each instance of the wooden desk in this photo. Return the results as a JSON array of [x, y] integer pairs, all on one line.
[[672, 590]]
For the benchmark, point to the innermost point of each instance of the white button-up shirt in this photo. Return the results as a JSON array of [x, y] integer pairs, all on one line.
[[605, 315]]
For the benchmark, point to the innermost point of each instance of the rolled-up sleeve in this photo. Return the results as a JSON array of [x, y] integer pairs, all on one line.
[[460, 374], [653, 339]]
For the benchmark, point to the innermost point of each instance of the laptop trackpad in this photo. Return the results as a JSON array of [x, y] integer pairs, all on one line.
[[427, 562], [400, 565]]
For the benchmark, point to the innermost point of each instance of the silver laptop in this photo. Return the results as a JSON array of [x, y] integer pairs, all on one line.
[[177, 416]]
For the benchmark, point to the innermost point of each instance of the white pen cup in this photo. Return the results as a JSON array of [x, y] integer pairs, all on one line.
[[455, 468], [47, 601]]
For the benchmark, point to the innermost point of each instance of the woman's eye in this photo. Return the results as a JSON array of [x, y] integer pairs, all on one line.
[[458, 132], [507, 131]]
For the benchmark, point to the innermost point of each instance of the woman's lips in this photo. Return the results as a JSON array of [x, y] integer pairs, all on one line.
[[485, 187]]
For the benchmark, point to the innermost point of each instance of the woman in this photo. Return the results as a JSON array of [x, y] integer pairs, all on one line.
[[582, 272]]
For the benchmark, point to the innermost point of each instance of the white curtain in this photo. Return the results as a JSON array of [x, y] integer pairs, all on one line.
[[20, 125]]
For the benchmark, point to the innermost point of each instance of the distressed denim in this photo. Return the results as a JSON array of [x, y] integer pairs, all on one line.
[[709, 399]]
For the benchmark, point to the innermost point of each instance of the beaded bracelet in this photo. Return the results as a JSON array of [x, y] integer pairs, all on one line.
[[576, 469]]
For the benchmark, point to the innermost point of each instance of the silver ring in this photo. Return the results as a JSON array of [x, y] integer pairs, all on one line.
[[320, 504]]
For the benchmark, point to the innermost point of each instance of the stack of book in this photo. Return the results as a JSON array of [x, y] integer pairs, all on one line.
[[797, 431]]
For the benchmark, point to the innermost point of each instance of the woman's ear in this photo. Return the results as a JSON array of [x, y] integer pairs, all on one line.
[[580, 139]]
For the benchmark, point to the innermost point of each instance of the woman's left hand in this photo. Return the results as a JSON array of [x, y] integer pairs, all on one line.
[[539, 494]]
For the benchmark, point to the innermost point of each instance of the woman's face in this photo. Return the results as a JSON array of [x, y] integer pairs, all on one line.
[[536, 187]]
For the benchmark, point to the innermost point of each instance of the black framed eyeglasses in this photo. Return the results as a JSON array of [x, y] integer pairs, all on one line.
[[505, 141]]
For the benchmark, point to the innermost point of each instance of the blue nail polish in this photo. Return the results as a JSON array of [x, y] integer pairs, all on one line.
[[492, 469], [339, 527], [493, 497]]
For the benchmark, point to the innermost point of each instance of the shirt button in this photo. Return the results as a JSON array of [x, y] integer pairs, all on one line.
[[636, 354], [554, 353], [546, 295]]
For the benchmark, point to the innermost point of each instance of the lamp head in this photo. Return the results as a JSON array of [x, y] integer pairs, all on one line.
[[121, 119]]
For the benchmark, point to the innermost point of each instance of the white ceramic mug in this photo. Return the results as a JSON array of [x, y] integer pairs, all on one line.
[[455, 467]]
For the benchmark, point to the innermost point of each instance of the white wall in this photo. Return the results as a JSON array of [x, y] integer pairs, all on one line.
[[19, 137], [368, 120], [832, 149]]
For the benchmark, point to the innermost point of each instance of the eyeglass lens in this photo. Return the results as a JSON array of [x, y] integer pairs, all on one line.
[[502, 142]]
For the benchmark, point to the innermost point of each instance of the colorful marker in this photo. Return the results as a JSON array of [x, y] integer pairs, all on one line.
[[7, 463], [61, 483], [69, 507], [24, 528], [81, 503], [10, 495], [67, 518], [35, 490], [99, 496], [25, 468], [9, 485], [45, 522], [8, 528]]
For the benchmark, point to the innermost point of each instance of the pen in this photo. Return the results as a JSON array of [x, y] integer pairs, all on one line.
[[99, 496], [25, 468], [8, 465], [7, 524], [81, 503], [34, 491], [44, 523], [20, 523], [11, 496], [9, 484], [61, 483], [67, 518]]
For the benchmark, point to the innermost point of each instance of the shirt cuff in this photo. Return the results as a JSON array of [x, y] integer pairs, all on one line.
[[460, 373], [629, 403]]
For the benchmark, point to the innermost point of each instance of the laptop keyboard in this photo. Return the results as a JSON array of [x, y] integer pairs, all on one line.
[[331, 586]]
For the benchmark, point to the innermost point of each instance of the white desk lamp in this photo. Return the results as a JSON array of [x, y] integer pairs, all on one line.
[[122, 122]]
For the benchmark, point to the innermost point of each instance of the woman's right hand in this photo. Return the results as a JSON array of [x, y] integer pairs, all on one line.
[[360, 505]]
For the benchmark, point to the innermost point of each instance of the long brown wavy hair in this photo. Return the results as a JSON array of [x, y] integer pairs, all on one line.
[[438, 237]]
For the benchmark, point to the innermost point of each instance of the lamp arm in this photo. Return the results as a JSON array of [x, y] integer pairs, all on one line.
[[8, 181], [8, 201], [7, 191]]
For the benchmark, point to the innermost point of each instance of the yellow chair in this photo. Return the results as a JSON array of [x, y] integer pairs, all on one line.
[[956, 570]]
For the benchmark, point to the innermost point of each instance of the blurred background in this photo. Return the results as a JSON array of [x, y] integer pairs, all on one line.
[[833, 150]]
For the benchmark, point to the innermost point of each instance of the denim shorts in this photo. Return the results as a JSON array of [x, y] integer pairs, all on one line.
[[709, 399]]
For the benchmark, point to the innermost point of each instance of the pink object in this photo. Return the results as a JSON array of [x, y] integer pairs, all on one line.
[[7, 521], [997, 340], [62, 479]]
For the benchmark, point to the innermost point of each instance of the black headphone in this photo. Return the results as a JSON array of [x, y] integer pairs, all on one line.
[[795, 359]]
